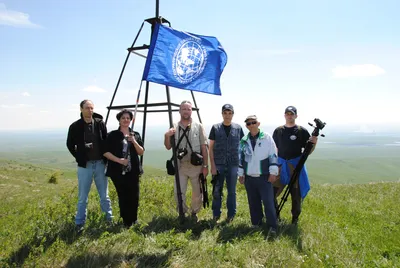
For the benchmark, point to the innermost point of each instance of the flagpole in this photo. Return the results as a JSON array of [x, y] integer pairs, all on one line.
[[157, 8], [175, 159]]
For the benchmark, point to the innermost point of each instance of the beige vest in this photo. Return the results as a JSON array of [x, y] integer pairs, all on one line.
[[193, 135]]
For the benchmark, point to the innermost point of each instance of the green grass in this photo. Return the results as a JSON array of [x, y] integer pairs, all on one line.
[[339, 165], [341, 226]]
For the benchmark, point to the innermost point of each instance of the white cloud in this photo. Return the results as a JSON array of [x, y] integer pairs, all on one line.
[[276, 52], [94, 89], [357, 70], [15, 18], [44, 112], [3, 95], [25, 94]]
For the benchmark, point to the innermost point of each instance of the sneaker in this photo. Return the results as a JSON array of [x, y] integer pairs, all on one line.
[[216, 218]]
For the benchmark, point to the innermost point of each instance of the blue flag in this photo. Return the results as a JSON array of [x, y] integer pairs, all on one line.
[[184, 60]]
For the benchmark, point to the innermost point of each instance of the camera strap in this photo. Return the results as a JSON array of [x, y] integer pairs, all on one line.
[[181, 137], [188, 142], [90, 128]]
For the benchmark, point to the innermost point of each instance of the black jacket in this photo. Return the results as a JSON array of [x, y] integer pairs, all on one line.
[[76, 142], [114, 145]]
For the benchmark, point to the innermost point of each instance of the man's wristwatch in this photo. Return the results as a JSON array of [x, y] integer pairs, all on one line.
[[205, 166]]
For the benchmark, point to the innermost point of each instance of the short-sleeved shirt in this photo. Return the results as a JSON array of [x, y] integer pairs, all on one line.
[[290, 141]]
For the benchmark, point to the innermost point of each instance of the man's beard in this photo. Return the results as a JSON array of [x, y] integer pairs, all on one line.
[[185, 117]]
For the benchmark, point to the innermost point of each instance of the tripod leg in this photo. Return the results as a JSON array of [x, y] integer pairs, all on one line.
[[293, 179], [296, 202], [277, 191]]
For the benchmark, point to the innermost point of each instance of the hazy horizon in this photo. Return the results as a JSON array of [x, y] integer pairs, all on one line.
[[329, 128]]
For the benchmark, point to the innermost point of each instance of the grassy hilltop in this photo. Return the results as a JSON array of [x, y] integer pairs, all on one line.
[[341, 226]]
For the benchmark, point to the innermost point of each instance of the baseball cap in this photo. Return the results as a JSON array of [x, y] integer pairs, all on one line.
[[227, 107], [251, 117], [291, 109]]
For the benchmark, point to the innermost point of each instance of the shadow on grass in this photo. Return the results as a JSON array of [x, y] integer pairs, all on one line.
[[165, 223], [229, 233], [111, 260], [293, 232], [67, 234]]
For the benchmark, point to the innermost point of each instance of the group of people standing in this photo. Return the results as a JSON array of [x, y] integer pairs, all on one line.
[[263, 163]]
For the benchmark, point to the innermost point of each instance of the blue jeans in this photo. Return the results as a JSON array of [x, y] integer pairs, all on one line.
[[260, 192], [85, 177], [230, 174]]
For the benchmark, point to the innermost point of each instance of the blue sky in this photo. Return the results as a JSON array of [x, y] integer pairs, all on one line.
[[337, 60]]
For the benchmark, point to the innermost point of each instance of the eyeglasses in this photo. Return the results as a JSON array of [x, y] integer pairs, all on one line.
[[251, 123]]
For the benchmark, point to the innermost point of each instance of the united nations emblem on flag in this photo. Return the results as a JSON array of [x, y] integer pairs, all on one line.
[[189, 60]]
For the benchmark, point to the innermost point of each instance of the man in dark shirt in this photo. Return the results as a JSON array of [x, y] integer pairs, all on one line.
[[291, 139], [85, 141], [224, 158]]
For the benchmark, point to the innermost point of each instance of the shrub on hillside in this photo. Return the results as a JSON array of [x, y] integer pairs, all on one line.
[[54, 177]]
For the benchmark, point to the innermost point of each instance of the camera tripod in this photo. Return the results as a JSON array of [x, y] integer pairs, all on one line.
[[319, 125]]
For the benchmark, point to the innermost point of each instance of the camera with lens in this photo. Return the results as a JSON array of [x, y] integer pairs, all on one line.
[[181, 153], [319, 124], [89, 145]]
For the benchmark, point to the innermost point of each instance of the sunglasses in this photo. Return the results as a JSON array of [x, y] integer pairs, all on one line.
[[251, 123]]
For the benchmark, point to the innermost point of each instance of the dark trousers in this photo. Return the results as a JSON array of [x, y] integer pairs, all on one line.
[[127, 187], [260, 192], [295, 196]]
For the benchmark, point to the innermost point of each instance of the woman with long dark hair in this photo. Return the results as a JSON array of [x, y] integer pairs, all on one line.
[[123, 147]]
